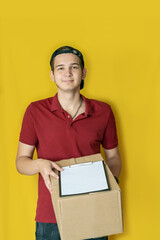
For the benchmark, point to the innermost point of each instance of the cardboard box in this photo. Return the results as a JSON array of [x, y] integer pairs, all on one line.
[[90, 215]]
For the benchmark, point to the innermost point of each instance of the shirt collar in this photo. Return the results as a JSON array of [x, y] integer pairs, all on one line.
[[55, 105], [88, 106]]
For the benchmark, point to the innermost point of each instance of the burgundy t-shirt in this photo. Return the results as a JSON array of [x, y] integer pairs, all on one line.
[[56, 136]]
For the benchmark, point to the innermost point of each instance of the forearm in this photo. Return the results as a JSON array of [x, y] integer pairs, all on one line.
[[27, 166], [115, 166]]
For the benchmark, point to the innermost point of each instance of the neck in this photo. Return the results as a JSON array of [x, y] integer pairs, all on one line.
[[69, 100]]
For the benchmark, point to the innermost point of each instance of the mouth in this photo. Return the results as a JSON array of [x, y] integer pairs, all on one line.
[[68, 81]]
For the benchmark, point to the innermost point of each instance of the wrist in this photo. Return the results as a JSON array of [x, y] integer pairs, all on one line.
[[39, 164]]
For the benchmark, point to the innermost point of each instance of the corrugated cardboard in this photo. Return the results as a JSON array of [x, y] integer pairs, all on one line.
[[89, 215]]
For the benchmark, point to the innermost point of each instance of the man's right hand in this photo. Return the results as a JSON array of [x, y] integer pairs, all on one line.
[[26, 165], [46, 169]]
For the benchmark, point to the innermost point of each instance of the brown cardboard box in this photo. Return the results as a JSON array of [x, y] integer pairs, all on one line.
[[88, 215]]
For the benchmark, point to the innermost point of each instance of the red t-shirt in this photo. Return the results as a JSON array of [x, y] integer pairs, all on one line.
[[56, 136]]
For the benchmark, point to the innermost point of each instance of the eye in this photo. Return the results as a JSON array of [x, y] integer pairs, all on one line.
[[60, 68], [75, 67]]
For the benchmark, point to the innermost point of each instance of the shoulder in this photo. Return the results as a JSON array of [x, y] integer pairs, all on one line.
[[99, 106], [99, 103], [42, 102], [39, 106]]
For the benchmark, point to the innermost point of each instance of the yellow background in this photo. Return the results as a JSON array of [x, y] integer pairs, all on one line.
[[120, 41]]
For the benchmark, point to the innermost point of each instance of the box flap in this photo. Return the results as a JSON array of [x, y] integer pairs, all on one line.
[[91, 158]]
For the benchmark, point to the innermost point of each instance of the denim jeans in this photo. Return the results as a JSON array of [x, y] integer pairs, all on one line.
[[49, 231]]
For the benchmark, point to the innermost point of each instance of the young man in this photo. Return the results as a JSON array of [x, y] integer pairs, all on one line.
[[61, 127]]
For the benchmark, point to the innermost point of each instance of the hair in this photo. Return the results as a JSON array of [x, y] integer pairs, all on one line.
[[68, 49]]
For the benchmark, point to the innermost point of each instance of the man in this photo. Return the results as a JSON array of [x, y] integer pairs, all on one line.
[[61, 127]]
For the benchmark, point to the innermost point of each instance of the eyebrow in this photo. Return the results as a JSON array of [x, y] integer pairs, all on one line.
[[59, 65], [64, 64], [75, 64]]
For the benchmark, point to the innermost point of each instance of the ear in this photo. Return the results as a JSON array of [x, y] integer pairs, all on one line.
[[84, 73], [52, 75]]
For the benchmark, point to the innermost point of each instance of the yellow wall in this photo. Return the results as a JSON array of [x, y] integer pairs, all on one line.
[[120, 41]]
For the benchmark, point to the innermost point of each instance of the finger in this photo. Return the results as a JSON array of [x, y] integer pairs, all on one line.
[[48, 183], [53, 174], [56, 166]]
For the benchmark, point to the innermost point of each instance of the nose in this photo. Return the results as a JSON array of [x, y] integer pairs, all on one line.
[[68, 72]]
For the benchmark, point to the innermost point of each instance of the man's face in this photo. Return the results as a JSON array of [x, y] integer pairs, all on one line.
[[67, 73]]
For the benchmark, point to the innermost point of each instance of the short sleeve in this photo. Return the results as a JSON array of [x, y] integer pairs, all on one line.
[[28, 133], [110, 139]]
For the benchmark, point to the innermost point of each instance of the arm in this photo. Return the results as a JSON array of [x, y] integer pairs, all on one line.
[[113, 160], [26, 165]]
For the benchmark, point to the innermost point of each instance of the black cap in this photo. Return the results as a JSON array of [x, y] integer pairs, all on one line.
[[67, 49]]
